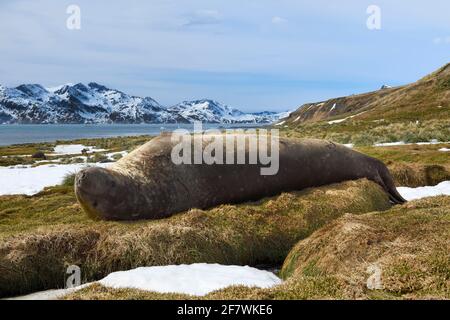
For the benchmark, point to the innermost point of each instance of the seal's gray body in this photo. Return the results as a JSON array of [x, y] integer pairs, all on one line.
[[146, 184]]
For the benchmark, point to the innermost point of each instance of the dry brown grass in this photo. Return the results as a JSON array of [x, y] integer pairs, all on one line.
[[369, 132], [408, 243], [35, 255], [416, 175]]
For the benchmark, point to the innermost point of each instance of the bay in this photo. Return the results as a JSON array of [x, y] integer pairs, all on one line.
[[33, 133]]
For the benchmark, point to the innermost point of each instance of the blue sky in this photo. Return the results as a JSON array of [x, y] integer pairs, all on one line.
[[250, 54]]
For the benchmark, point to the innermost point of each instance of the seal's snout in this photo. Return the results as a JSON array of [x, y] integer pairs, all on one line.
[[93, 187], [93, 181]]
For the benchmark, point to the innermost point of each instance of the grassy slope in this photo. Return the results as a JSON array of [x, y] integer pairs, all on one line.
[[414, 165], [416, 112], [367, 133], [42, 235], [426, 99], [408, 243]]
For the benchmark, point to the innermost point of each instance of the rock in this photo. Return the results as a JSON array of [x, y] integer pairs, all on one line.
[[39, 155]]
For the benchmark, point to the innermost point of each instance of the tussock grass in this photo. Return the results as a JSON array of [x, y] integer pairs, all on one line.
[[416, 175], [369, 132], [412, 154], [113, 143], [98, 158], [409, 244], [25, 149], [42, 235], [68, 180]]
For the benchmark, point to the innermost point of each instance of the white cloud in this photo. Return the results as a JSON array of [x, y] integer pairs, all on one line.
[[204, 17], [233, 51], [278, 20], [439, 40]]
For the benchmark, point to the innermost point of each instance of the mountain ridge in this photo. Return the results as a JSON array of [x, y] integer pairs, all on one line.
[[96, 103], [427, 98]]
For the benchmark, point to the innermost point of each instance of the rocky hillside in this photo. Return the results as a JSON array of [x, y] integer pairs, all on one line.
[[95, 103], [426, 99]]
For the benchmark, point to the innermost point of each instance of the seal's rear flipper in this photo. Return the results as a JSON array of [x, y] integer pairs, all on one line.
[[389, 186]]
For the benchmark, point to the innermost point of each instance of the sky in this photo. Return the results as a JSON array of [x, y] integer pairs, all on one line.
[[250, 54]]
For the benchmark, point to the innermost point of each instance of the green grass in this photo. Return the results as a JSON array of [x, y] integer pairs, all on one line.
[[69, 180], [42, 234], [368, 132], [411, 154], [21, 154]]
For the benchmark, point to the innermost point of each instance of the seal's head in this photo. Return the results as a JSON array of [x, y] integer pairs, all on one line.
[[102, 193]]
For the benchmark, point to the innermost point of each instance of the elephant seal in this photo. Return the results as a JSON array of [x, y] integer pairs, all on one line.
[[147, 184]]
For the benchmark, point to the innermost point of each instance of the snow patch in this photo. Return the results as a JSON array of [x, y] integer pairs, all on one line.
[[389, 144], [444, 149], [432, 141], [402, 143], [442, 188], [342, 120], [53, 89], [195, 279], [31, 180], [67, 149], [337, 121], [49, 294]]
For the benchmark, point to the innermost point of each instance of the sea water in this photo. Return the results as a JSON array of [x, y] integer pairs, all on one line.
[[32, 133]]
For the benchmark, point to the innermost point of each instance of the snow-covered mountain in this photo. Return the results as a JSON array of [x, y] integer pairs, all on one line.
[[214, 112], [95, 103]]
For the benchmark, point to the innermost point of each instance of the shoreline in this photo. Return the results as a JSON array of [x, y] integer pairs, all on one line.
[[23, 134]]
